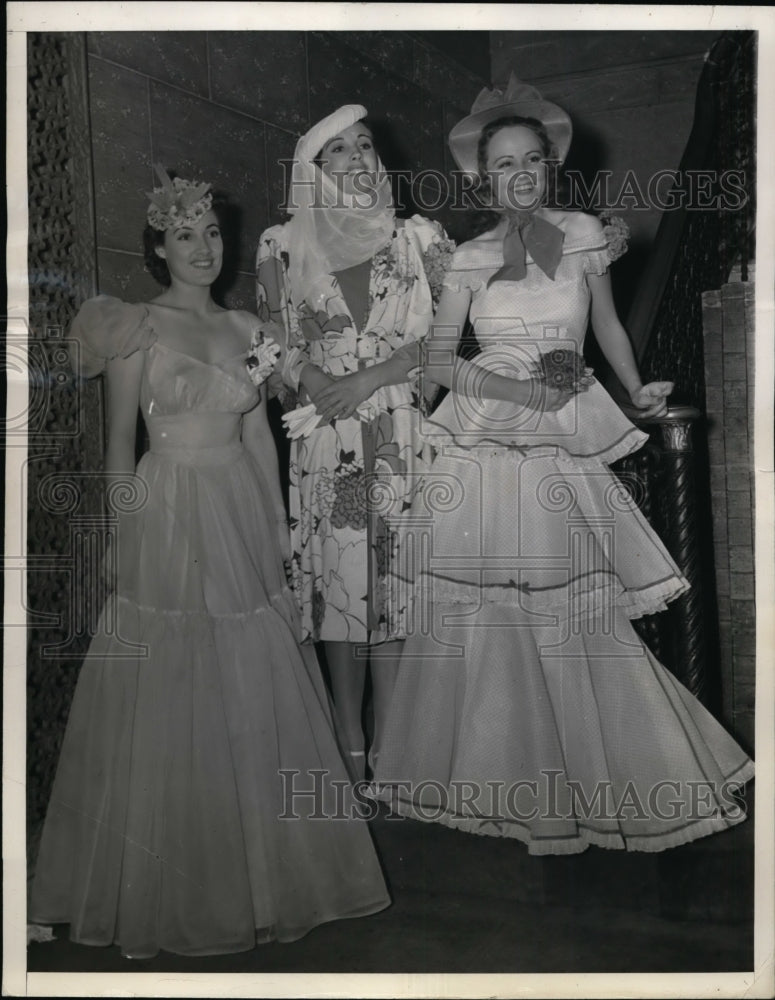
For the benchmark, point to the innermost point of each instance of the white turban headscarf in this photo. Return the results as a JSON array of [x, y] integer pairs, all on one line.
[[331, 230]]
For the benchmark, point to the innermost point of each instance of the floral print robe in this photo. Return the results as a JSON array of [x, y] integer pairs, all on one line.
[[352, 481]]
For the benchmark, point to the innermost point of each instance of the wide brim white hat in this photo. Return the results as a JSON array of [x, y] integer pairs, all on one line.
[[517, 99]]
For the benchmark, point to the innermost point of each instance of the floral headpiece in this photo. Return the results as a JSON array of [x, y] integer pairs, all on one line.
[[177, 202]]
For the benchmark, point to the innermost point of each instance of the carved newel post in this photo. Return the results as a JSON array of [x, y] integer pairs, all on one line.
[[680, 533]]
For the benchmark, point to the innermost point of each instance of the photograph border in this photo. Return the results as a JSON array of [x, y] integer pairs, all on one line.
[[26, 17]]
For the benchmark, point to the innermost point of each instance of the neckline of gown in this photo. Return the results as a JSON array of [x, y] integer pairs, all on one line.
[[199, 361], [490, 253]]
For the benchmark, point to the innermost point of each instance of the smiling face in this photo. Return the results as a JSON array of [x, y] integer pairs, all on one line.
[[515, 163], [194, 252], [348, 154]]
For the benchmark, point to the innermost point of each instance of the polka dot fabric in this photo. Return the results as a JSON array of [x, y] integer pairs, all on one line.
[[526, 705]]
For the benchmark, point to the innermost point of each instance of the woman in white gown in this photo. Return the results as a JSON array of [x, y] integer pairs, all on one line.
[[171, 823], [526, 705]]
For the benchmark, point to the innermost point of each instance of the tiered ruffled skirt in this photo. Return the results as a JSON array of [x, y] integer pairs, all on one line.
[[526, 704]]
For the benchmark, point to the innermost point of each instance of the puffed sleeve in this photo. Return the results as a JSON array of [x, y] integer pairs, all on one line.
[[612, 236], [107, 328]]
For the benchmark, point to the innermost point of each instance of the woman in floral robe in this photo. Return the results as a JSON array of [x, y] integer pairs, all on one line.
[[349, 284]]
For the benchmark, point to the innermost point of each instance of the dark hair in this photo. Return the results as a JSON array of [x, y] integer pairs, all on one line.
[[484, 219], [155, 265]]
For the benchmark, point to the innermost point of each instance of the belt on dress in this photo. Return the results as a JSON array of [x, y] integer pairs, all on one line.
[[207, 437]]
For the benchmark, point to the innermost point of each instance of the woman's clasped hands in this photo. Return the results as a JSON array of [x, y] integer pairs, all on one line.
[[339, 396], [332, 397], [344, 394]]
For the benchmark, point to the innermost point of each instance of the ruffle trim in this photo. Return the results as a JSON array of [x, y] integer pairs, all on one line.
[[106, 328], [597, 261], [587, 837], [473, 264], [629, 442], [571, 606], [473, 280]]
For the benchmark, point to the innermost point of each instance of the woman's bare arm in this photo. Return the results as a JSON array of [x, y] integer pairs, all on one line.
[[123, 377]]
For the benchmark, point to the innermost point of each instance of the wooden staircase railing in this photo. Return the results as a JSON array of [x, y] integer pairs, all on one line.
[[694, 251]]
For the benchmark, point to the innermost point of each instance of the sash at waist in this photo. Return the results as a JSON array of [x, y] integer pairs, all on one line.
[[196, 438]]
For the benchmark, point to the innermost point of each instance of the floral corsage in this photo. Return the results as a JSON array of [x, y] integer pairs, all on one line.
[[437, 260], [563, 368], [616, 233], [262, 357]]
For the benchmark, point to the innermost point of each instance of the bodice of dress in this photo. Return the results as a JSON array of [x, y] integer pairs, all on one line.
[[536, 313], [175, 383], [187, 404], [515, 323], [193, 409], [322, 329]]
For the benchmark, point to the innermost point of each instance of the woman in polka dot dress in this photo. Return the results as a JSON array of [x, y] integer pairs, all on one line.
[[526, 705]]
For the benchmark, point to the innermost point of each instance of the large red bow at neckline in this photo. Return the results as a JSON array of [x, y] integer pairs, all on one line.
[[531, 233]]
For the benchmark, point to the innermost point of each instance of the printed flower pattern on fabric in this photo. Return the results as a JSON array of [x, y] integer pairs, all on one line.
[[344, 545], [394, 273], [350, 510], [325, 493], [318, 324]]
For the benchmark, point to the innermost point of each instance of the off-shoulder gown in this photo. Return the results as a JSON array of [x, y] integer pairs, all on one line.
[[174, 821]]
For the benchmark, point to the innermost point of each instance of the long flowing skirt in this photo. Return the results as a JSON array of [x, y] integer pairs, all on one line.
[[526, 705], [199, 755]]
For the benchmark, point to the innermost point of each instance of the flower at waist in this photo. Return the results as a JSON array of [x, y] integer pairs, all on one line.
[[564, 368]]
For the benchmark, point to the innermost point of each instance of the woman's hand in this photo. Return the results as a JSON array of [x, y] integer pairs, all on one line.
[[651, 400], [344, 395]]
